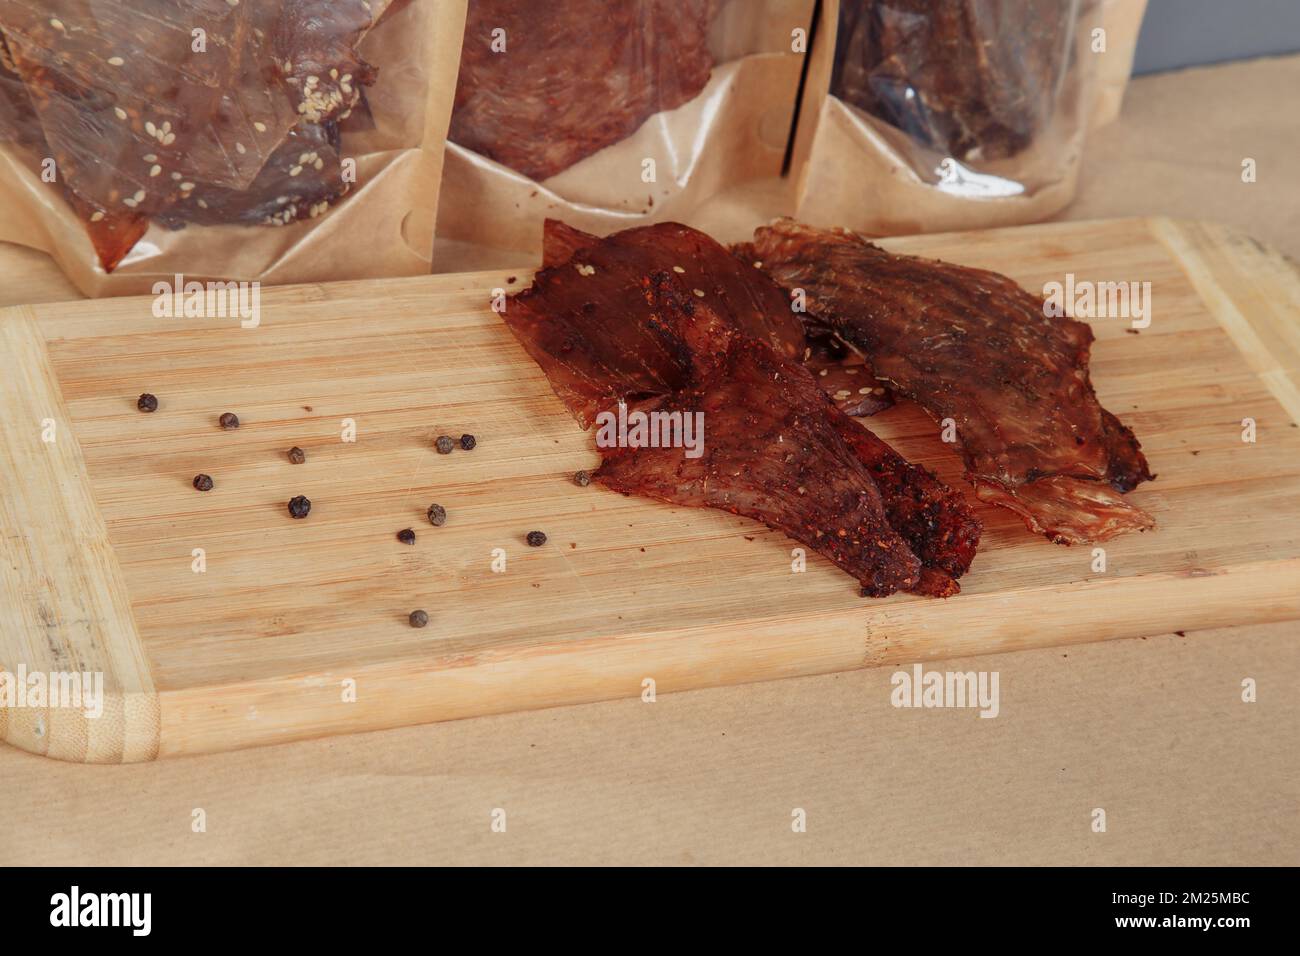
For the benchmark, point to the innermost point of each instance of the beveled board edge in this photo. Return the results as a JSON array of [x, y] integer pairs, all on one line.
[[414, 691], [1252, 290], [65, 616]]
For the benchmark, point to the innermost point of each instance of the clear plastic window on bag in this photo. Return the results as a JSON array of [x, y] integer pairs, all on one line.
[[950, 115], [251, 139], [608, 113]]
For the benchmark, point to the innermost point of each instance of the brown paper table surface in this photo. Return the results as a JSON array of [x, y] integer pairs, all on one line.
[[1151, 730]]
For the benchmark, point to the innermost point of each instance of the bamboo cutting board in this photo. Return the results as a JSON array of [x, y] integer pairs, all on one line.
[[292, 629]]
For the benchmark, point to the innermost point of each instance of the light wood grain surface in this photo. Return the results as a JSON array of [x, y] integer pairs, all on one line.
[[268, 641], [64, 607]]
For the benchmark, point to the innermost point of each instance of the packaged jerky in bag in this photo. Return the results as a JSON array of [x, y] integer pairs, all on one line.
[[922, 116], [611, 113], [262, 140]]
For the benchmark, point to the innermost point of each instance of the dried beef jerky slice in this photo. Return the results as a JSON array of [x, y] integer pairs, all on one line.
[[574, 77], [746, 299], [974, 79], [316, 42], [771, 452], [124, 89], [633, 341], [936, 521], [112, 232], [303, 61], [301, 180], [841, 372], [590, 322], [972, 346]]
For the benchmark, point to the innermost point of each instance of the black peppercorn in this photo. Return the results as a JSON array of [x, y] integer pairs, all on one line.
[[419, 618], [299, 506], [406, 536], [582, 478], [437, 515], [468, 442], [228, 420], [147, 403], [444, 444], [203, 482], [536, 539], [296, 455]]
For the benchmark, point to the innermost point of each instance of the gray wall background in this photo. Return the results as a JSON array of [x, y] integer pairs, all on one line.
[[1180, 33]]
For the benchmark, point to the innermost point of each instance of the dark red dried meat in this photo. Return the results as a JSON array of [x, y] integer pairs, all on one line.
[[596, 310], [773, 452], [616, 322], [207, 111], [935, 520], [974, 79], [574, 77], [117, 83], [972, 346], [301, 179]]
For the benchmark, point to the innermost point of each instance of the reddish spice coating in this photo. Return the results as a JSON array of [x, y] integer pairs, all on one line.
[[936, 521], [972, 346]]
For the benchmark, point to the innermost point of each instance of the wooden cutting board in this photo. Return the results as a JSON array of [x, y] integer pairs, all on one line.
[[296, 629]]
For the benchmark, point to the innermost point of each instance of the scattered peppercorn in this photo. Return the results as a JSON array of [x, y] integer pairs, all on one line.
[[296, 455], [147, 403], [444, 444], [536, 539], [203, 482], [406, 536], [228, 420], [419, 618], [468, 442], [582, 478], [437, 515], [299, 506]]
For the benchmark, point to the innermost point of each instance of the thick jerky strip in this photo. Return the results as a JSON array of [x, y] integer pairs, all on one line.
[[935, 520], [744, 298], [771, 452], [596, 312], [972, 346], [574, 77]]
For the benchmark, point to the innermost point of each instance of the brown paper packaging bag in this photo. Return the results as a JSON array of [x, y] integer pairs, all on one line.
[[382, 227], [735, 129], [862, 169]]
